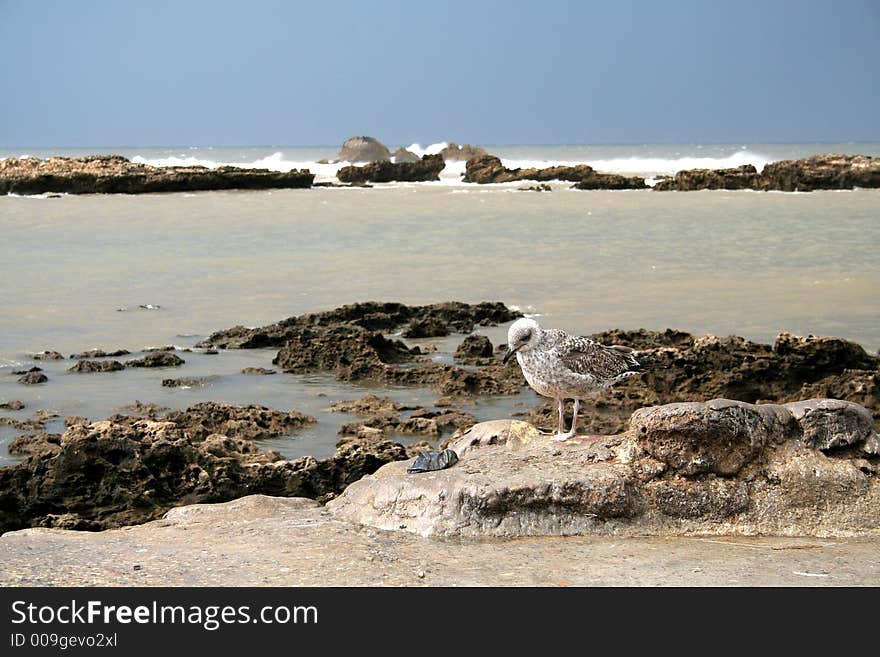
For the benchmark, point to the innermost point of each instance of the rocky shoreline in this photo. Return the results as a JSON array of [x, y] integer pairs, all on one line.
[[131, 468], [114, 174]]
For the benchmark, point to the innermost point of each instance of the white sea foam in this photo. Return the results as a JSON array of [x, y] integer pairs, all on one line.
[[649, 167]]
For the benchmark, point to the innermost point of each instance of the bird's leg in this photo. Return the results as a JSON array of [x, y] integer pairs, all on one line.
[[574, 418], [561, 408]]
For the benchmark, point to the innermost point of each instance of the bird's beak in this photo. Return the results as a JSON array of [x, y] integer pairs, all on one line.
[[510, 352]]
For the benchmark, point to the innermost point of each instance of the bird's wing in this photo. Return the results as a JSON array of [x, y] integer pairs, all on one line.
[[589, 358]]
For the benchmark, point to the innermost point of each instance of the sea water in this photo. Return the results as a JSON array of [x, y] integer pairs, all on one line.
[[77, 269]]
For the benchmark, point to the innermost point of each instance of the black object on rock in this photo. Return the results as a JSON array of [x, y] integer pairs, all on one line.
[[428, 461]]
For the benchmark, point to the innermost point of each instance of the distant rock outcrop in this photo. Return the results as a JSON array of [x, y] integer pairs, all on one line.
[[403, 155], [453, 152], [485, 169], [426, 169], [828, 171], [114, 174], [363, 149]]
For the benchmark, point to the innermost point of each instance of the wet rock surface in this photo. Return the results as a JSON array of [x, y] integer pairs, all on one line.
[[156, 359], [454, 316], [485, 169], [683, 367], [721, 467], [248, 422], [128, 470], [97, 366], [114, 174], [426, 169], [32, 378], [189, 382], [383, 416], [49, 354], [258, 371], [12, 405], [474, 350], [829, 171], [100, 353]]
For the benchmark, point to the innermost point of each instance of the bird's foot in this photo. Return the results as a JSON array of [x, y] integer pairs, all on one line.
[[562, 437]]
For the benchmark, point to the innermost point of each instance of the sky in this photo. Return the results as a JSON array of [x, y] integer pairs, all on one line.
[[102, 73]]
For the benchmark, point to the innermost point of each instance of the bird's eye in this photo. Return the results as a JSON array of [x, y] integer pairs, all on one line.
[[526, 336]]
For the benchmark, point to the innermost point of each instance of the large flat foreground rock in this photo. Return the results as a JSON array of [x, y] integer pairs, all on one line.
[[274, 541], [715, 468]]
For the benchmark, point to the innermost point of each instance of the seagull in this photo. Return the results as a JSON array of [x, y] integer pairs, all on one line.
[[563, 366]]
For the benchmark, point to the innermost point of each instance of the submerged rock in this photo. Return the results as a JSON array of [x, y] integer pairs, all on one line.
[[114, 174], [376, 316], [248, 422], [33, 378], [721, 467], [156, 359], [48, 355], [97, 366], [426, 169], [100, 353]]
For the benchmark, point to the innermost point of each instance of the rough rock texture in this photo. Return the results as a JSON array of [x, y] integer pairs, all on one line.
[[97, 366], [12, 405], [35, 423], [830, 171], [100, 353], [156, 359], [485, 169], [453, 152], [190, 382], [721, 467], [372, 315], [128, 470], [114, 174], [683, 367], [474, 350], [744, 177], [33, 378], [363, 149], [258, 371], [247, 422], [403, 155], [48, 355], [382, 415], [822, 172], [141, 409], [426, 169]]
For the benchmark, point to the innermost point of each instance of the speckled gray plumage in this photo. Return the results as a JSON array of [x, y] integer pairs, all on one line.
[[562, 366]]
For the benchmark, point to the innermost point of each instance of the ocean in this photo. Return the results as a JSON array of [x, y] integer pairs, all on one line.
[[77, 269]]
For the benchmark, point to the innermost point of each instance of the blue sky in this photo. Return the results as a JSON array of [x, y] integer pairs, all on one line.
[[118, 73]]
